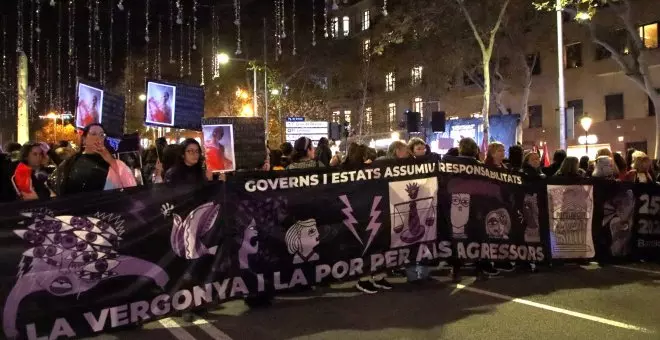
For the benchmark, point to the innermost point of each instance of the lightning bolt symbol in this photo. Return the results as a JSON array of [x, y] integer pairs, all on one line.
[[350, 220], [373, 226]]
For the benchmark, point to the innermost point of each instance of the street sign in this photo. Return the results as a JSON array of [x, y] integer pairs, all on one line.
[[312, 130]]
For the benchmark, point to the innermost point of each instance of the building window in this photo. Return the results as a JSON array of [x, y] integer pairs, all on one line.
[[578, 109], [336, 116], [334, 27], [416, 75], [390, 82], [366, 48], [535, 116], [614, 106], [346, 26], [651, 105], [534, 62], [391, 113], [368, 117], [366, 20], [347, 116], [649, 35], [573, 55], [418, 106]]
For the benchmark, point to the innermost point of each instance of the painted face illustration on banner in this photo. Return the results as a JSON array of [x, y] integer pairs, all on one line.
[[618, 218], [187, 235], [460, 214], [301, 239], [498, 224], [531, 218], [247, 247], [69, 256]]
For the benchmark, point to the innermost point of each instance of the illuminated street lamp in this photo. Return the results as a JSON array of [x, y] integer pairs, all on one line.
[[583, 16], [585, 122], [223, 59], [142, 97], [275, 92]]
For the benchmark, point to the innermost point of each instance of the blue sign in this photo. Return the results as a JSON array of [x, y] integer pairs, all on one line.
[[295, 119]]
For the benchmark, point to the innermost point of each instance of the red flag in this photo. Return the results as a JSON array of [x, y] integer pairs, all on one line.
[[546, 157], [484, 146]]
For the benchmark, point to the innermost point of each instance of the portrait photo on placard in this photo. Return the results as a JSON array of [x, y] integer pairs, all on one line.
[[219, 147], [89, 107], [161, 101]]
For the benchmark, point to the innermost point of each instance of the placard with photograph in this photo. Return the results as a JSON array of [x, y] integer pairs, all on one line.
[[161, 104], [219, 147], [248, 147], [89, 106]]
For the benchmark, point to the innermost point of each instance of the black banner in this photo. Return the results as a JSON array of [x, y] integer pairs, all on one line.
[[95, 262]]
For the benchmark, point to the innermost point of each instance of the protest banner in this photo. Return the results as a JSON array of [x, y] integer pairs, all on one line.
[[92, 263]]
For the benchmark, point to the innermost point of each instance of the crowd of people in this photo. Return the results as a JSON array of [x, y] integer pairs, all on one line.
[[40, 171]]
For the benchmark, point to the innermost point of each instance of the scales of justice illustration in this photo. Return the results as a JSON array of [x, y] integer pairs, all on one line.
[[412, 217]]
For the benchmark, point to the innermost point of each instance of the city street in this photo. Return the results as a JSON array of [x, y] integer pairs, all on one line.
[[569, 302]]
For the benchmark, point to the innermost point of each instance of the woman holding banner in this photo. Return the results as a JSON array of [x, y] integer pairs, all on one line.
[[93, 168]]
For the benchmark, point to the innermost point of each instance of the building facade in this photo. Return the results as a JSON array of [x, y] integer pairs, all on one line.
[[623, 115]]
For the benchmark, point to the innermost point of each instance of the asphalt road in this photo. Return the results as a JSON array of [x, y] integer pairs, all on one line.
[[570, 302]]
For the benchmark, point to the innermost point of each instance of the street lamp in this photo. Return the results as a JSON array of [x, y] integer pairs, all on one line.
[[142, 97], [585, 122], [275, 92], [223, 59]]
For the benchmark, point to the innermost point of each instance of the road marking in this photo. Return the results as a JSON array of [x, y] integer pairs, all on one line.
[[175, 329], [211, 330], [555, 309], [641, 270]]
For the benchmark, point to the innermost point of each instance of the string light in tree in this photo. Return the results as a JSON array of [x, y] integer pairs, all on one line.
[[171, 31], [60, 94], [110, 36], [146, 23], [283, 19], [214, 60], [194, 38], [97, 27], [313, 23], [4, 49], [101, 59], [202, 60], [31, 41], [37, 65], [180, 51], [278, 29], [89, 39], [71, 47], [189, 48], [160, 38], [19, 28], [325, 18], [179, 14], [293, 26], [128, 78], [237, 22]]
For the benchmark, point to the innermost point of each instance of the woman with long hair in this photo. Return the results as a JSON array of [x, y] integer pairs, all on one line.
[[532, 166], [570, 167], [189, 167], [640, 169], [303, 155], [495, 155], [29, 181], [93, 168], [356, 156], [323, 152]]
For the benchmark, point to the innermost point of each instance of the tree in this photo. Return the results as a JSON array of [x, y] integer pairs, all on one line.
[[620, 38], [486, 42], [53, 132]]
